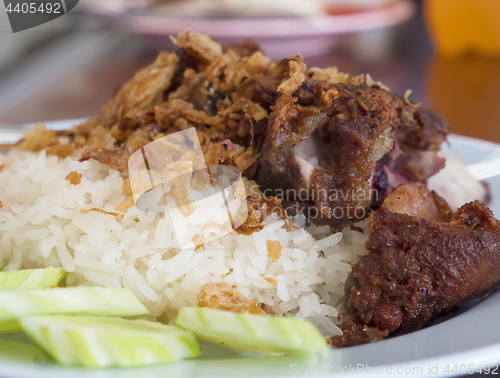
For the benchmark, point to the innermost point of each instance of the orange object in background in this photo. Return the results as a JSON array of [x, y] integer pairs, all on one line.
[[467, 92], [460, 27], [463, 80]]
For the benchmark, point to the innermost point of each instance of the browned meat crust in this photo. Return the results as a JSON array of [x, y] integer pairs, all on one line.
[[417, 201], [418, 267], [347, 128], [352, 127], [222, 296], [420, 129]]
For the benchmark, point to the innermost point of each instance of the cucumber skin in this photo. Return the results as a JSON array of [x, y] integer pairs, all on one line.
[[241, 332], [10, 326], [97, 344], [29, 279], [14, 304]]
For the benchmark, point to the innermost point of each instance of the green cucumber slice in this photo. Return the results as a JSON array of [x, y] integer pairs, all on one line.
[[80, 300], [103, 342], [20, 352], [265, 335], [29, 279]]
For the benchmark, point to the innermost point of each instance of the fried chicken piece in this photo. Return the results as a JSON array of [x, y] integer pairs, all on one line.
[[322, 144], [414, 157], [340, 144], [222, 296], [422, 260], [420, 129], [417, 201]]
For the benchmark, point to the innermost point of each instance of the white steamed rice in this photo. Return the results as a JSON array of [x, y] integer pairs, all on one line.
[[41, 225]]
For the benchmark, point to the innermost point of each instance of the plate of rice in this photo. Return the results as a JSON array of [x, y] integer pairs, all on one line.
[[68, 201]]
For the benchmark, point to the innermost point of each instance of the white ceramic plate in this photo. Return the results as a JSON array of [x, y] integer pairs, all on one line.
[[465, 341]]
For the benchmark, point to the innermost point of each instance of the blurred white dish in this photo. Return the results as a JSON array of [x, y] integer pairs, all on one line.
[[279, 37]]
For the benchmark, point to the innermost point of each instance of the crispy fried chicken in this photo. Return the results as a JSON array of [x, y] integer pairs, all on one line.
[[323, 142], [341, 148], [423, 259]]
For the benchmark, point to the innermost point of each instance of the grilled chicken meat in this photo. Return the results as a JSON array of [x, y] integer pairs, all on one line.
[[423, 259]]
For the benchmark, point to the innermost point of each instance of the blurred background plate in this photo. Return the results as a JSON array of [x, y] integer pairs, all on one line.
[[279, 36]]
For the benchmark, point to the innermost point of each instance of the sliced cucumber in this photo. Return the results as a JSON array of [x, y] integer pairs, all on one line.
[[68, 300], [20, 352], [103, 342], [266, 335], [28, 279]]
